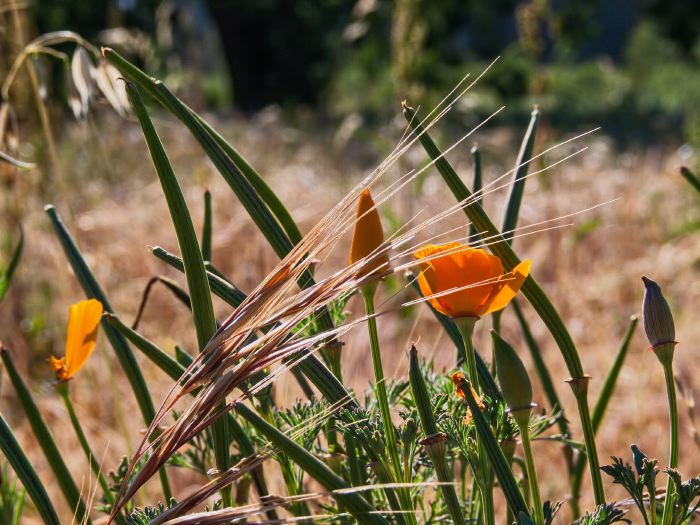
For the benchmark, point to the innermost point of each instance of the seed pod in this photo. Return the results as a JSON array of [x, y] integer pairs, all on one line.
[[658, 320], [512, 376]]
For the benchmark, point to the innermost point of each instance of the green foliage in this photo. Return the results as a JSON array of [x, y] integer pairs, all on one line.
[[634, 482], [604, 515], [144, 516]]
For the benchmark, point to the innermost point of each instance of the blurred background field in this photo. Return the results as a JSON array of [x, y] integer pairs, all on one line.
[[309, 92]]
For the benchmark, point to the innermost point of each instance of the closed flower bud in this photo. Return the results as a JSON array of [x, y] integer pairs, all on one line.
[[368, 238], [512, 375], [658, 320]]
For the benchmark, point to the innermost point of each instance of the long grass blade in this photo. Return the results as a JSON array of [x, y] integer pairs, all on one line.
[[509, 485], [477, 184], [45, 439], [608, 388], [243, 189], [692, 179], [149, 84], [522, 164], [125, 356], [541, 367], [26, 473], [7, 275], [195, 273], [353, 502], [219, 286], [207, 227]]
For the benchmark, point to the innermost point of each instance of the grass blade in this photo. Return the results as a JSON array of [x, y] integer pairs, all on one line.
[[6, 277], [269, 197], [243, 189], [171, 285], [219, 286], [476, 188], [45, 439], [26, 473], [353, 502], [515, 500], [510, 219], [434, 442], [609, 385], [207, 228], [541, 367], [160, 358], [195, 273], [125, 356], [4, 157], [693, 179]]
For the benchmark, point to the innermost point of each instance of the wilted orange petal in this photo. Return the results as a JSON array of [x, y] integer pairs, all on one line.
[[510, 287], [83, 322], [58, 367], [458, 380], [368, 236]]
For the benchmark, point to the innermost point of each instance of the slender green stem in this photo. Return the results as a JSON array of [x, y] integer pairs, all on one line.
[[368, 291], [531, 472], [466, 328], [382, 399], [580, 389], [62, 389], [667, 516]]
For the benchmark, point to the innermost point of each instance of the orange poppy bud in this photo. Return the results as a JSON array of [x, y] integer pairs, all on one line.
[[368, 238], [83, 322], [479, 282]]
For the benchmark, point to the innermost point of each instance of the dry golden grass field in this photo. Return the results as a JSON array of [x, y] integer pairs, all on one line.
[[110, 198]]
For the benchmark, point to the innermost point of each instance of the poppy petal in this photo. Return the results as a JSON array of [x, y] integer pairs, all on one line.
[[515, 280], [83, 322]]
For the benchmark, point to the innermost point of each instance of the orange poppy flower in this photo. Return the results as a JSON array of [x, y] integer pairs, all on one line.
[[368, 237], [83, 322], [477, 278], [458, 381]]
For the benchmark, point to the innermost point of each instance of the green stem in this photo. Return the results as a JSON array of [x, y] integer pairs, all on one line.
[[382, 399], [367, 292], [580, 389], [531, 472], [667, 516], [466, 328], [62, 389]]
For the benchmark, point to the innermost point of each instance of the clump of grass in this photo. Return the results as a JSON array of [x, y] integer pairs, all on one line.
[[408, 451]]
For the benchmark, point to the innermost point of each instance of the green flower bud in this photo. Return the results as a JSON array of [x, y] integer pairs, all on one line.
[[658, 320], [420, 394], [512, 376]]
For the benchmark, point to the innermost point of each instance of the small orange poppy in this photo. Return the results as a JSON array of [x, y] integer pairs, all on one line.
[[83, 322], [477, 278], [368, 237]]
